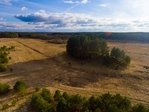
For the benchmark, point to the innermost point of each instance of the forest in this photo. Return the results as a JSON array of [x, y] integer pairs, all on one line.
[[113, 36]]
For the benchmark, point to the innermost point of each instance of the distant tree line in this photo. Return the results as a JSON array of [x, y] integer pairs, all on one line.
[[124, 37], [90, 47], [63, 102], [9, 35], [127, 37]]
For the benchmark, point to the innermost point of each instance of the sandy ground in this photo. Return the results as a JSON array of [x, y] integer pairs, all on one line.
[[40, 63]]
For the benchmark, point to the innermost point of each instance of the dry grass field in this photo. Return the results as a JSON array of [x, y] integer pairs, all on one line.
[[40, 63]]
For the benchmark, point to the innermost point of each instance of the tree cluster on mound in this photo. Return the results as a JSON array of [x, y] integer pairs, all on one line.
[[4, 57], [89, 47], [45, 102]]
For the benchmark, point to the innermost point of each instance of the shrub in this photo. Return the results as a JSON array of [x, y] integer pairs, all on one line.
[[62, 105], [66, 96], [3, 67], [109, 103], [37, 89], [4, 57], [98, 110], [4, 88], [140, 108], [40, 104], [46, 95], [76, 103], [114, 103], [13, 103], [20, 86], [57, 95], [119, 59], [93, 103]]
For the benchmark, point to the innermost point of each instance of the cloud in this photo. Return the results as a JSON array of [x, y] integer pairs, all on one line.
[[128, 8], [19, 26], [40, 16], [103, 5], [24, 8], [80, 22], [58, 19], [5, 2], [76, 1]]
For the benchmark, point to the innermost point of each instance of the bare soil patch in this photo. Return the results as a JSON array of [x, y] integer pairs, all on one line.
[[41, 63]]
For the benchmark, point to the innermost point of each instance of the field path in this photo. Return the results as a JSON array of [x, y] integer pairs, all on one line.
[[32, 48], [40, 64]]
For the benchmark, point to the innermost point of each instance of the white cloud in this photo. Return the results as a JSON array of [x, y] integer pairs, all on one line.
[[130, 8], [24, 8], [120, 15], [81, 22], [140, 7], [5, 2], [76, 1], [103, 5]]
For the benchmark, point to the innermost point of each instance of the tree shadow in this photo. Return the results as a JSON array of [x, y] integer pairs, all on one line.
[[61, 69]]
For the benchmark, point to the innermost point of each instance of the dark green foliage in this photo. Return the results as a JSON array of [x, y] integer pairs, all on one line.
[[37, 89], [62, 105], [118, 58], [3, 67], [4, 57], [109, 103], [9, 35], [40, 104], [4, 88], [98, 110], [90, 47], [139, 108], [123, 37], [76, 103], [114, 103], [84, 47], [57, 95], [46, 95], [65, 95], [20, 86], [127, 37]]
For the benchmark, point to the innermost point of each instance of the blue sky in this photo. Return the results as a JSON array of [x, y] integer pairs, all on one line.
[[74, 15]]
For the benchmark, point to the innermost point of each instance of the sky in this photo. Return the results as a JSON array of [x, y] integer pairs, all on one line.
[[74, 15]]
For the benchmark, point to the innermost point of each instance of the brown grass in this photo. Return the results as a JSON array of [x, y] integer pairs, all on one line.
[[41, 63]]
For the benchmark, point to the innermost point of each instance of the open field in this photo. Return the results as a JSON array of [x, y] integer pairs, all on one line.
[[41, 63]]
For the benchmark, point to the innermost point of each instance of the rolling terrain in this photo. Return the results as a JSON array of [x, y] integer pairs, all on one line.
[[40, 63]]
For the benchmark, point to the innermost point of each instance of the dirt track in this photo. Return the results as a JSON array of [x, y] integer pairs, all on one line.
[[40, 63]]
